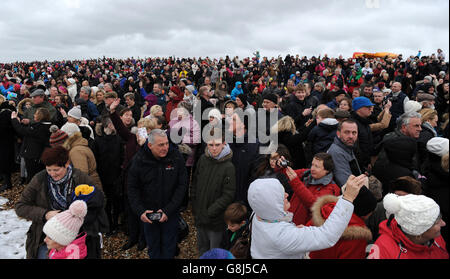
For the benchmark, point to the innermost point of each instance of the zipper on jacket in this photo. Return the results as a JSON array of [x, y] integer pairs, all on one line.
[[402, 250]]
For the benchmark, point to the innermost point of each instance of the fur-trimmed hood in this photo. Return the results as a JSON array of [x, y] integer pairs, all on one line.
[[75, 140], [20, 106], [323, 207]]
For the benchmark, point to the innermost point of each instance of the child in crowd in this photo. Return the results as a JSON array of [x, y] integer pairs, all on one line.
[[62, 233], [236, 218]]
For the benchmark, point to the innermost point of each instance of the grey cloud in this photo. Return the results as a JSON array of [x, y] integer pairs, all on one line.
[[61, 29]]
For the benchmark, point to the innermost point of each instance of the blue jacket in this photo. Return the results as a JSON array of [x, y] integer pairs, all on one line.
[[5, 91], [322, 136], [236, 91], [92, 111]]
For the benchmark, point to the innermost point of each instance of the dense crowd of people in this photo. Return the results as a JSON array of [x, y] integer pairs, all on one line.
[[359, 168]]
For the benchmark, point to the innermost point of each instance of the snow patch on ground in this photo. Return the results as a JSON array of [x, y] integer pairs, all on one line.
[[13, 233]]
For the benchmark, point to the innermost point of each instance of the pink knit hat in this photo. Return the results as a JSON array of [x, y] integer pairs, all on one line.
[[63, 228]]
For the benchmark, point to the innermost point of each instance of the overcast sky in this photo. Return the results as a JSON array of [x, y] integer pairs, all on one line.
[[79, 29]]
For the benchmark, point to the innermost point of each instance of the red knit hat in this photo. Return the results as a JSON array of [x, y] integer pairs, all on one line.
[[57, 137]]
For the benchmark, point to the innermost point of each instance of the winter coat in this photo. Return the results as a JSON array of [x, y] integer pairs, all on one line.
[[108, 152], [172, 104], [294, 143], [191, 127], [436, 187], [7, 139], [155, 184], [426, 134], [129, 139], [345, 162], [295, 108], [236, 91], [274, 237], [21, 106], [229, 238], [393, 244], [36, 138], [221, 93], [245, 156], [136, 111], [353, 242], [76, 250], [322, 136], [306, 191], [34, 203], [82, 157], [29, 113], [365, 140], [213, 189], [400, 153]]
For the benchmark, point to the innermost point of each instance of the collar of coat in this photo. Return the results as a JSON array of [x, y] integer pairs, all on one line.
[[75, 140], [356, 228]]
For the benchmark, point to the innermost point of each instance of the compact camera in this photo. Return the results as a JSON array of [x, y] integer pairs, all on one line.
[[154, 216], [284, 163]]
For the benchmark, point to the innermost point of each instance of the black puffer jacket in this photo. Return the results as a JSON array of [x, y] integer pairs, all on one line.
[[365, 140], [157, 184], [6, 139], [400, 153]]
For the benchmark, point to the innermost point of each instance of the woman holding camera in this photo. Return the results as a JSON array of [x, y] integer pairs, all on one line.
[[310, 184]]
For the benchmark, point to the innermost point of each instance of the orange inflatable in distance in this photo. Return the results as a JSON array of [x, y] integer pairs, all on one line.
[[374, 55]]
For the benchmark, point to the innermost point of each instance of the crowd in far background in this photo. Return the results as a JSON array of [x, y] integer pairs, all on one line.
[[341, 122]]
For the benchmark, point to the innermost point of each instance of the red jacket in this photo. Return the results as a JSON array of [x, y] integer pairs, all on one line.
[[173, 102], [353, 242], [75, 250], [393, 244], [306, 194]]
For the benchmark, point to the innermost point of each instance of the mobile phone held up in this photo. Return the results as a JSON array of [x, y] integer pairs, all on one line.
[[154, 216]]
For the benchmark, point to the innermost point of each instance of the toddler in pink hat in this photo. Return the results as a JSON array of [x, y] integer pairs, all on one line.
[[62, 233]]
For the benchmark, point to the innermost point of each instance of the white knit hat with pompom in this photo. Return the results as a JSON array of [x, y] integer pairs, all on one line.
[[414, 213], [64, 227]]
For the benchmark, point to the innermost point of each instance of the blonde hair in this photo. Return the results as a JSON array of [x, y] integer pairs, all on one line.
[[154, 109], [147, 123], [284, 124], [98, 91], [2, 99], [427, 114]]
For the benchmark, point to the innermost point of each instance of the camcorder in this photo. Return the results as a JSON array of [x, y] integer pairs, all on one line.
[[154, 216]]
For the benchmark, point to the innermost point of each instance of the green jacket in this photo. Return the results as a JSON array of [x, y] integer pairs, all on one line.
[[213, 189]]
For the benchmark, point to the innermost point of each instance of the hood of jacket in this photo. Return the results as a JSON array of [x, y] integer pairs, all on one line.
[[225, 155], [321, 210], [393, 230], [266, 198], [21, 105], [329, 124], [75, 140]]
